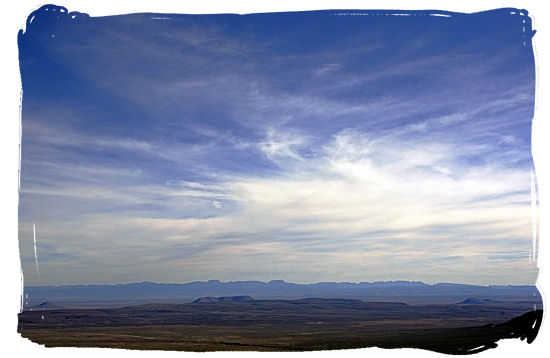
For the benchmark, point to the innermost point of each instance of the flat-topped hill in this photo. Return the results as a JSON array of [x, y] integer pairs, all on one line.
[[223, 299]]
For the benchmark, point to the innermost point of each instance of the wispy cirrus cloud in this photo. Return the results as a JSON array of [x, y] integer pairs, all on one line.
[[344, 201], [189, 150]]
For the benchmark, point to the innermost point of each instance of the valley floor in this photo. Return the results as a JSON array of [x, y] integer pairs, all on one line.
[[284, 325]]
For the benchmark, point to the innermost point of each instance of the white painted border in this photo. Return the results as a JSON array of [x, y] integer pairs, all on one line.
[[13, 18]]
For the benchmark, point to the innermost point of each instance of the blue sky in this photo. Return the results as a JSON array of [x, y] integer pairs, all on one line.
[[300, 146]]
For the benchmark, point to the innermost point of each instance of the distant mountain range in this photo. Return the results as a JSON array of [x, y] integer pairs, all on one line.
[[149, 292]]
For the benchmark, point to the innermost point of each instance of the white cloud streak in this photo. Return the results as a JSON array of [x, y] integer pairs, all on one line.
[[358, 201]]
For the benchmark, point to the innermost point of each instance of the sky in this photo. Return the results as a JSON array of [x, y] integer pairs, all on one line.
[[309, 147]]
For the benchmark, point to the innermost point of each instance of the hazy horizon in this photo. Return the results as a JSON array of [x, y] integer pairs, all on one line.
[[274, 281], [309, 147]]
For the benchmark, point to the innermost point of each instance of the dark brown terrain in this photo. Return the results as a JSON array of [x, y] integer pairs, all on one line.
[[286, 325]]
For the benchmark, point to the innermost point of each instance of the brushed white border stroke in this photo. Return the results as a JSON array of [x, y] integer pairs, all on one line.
[[15, 14]]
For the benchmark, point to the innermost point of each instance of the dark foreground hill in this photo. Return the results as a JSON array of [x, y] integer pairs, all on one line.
[[401, 291], [285, 325], [223, 299], [45, 306]]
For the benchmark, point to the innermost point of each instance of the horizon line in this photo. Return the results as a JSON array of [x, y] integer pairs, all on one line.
[[283, 281]]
